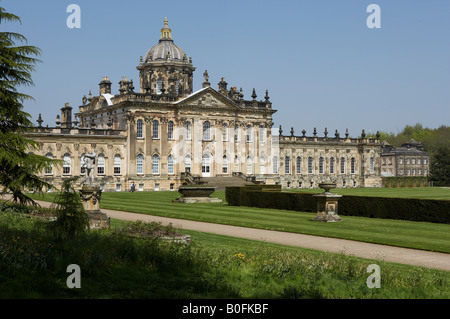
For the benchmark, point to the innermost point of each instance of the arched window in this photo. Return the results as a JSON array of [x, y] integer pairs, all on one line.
[[310, 165], [287, 165], [170, 130], [117, 164], [332, 160], [206, 131], [262, 165], [299, 165], [66, 164], [225, 132], [249, 133], [236, 163], [155, 129], [206, 165], [342, 165], [187, 163], [372, 168], [140, 164], [320, 165], [49, 169], [249, 166], [140, 129], [188, 131], [101, 164], [262, 134], [177, 87], [352, 167], [159, 86], [224, 164], [275, 165], [155, 164], [170, 165]]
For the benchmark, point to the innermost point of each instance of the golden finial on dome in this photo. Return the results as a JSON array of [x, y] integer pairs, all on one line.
[[166, 32]]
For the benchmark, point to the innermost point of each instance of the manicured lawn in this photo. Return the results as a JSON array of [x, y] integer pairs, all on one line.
[[410, 234], [419, 235], [420, 192]]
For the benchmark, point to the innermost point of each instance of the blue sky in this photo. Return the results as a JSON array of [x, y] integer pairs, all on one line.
[[322, 65]]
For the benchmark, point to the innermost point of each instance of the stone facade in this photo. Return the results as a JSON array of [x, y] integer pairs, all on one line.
[[306, 161], [155, 135], [407, 160]]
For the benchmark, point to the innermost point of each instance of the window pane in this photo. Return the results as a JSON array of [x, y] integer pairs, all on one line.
[[187, 163], [332, 165], [155, 164], [310, 165], [188, 131], [155, 129], [170, 131], [206, 131], [287, 165], [140, 164], [299, 165], [66, 164], [139, 129], [170, 165], [117, 164], [101, 165]]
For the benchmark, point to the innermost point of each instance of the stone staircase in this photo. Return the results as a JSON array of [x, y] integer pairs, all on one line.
[[223, 181]]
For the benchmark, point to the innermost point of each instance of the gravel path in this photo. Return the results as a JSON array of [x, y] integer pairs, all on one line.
[[359, 249], [407, 256]]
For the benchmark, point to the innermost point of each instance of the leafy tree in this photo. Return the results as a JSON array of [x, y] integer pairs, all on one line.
[[71, 219], [18, 166], [440, 167]]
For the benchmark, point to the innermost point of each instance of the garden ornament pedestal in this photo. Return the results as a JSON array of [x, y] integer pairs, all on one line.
[[196, 194], [327, 204], [90, 195]]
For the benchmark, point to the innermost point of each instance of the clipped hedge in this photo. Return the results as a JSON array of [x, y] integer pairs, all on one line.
[[425, 210]]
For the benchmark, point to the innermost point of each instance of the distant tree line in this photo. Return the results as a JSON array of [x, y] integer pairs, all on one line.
[[435, 141]]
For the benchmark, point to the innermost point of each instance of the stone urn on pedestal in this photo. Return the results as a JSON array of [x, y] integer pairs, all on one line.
[[327, 204], [90, 195]]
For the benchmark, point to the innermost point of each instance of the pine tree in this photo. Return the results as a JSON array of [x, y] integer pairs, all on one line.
[[18, 166]]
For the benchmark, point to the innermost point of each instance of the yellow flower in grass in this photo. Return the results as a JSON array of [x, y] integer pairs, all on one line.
[[239, 256]]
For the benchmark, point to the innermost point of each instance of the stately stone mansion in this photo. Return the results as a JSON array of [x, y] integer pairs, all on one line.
[[164, 134]]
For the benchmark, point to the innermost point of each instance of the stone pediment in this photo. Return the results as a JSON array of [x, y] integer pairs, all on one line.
[[207, 97]]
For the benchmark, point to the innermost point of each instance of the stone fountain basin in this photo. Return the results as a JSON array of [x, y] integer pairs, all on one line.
[[197, 191]]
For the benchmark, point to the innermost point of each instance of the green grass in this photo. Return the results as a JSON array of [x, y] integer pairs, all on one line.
[[114, 265], [419, 192], [410, 234]]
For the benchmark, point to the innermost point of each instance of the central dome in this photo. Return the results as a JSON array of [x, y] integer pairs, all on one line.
[[165, 49]]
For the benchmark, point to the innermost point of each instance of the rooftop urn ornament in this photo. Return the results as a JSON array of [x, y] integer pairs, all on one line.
[[75, 122], [363, 134], [378, 135], [315, 132], [326, 132], [39, 120], [304, 133], [89, 165], [336, 134], [267, 96], [84, 100], [346, 133], [280, 131], [254, 95], [292, 131]]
